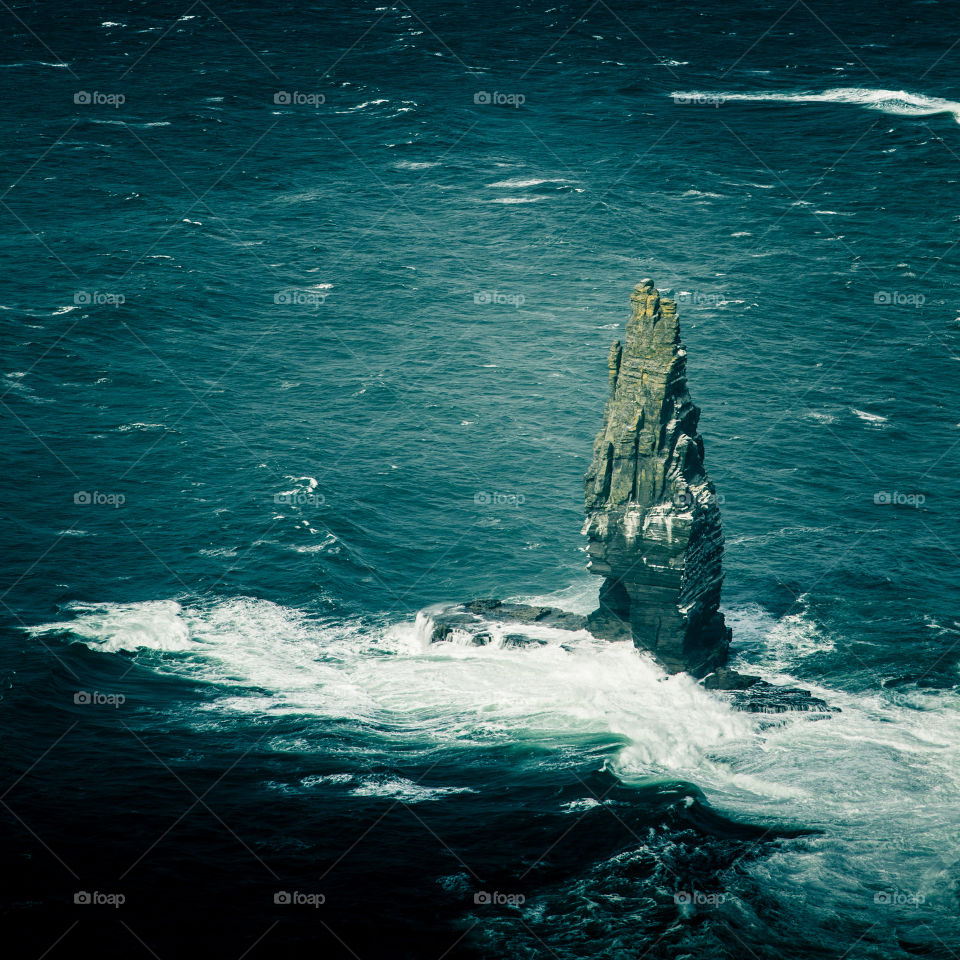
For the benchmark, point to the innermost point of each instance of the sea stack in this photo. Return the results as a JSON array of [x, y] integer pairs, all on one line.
[[653, 521]]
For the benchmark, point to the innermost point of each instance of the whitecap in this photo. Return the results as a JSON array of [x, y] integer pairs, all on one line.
[[519, 182], [364, 105], [35, 63], [400, 788], [112, 627], [580, 806], [894, 102], [144, 427], [872, 418]]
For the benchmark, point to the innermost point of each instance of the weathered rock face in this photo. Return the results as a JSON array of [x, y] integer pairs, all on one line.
[[654, 529], [653, 521]]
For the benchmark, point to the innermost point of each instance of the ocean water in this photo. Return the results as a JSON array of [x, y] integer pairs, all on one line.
[[305, 319]]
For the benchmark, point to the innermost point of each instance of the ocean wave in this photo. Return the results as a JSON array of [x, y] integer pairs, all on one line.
[[890, 757], [874, 419], [563, 688], [899, 103], [141, 427], [416, 164], [519, 182], [396, 788], [35, 63]]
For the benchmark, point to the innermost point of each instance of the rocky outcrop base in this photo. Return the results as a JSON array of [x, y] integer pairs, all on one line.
[[475, 623]]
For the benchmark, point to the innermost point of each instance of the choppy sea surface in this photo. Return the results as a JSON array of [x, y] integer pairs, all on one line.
[[305, 315]]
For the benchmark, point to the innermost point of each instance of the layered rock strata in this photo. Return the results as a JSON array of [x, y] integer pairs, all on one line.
[[653, 522], [654, 532]]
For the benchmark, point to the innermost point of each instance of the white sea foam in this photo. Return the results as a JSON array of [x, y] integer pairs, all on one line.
[[818, 417], [568, 686], [416, 164], [895, 102], [888, 765], [872, 418], [401, 789], [35, 63], [112, 627], [141, 427], [519, 182]]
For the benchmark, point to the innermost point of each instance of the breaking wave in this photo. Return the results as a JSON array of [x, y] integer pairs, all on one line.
[[899, 103]]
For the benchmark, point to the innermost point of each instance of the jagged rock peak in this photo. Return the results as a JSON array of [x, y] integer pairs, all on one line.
[[653, 521]]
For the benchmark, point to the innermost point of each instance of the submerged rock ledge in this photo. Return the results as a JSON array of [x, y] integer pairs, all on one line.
[[653, 528]]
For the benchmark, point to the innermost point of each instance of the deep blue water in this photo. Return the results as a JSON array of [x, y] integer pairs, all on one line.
[[268, 368]]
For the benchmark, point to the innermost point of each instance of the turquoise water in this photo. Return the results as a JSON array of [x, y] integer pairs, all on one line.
[[279, 372]]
